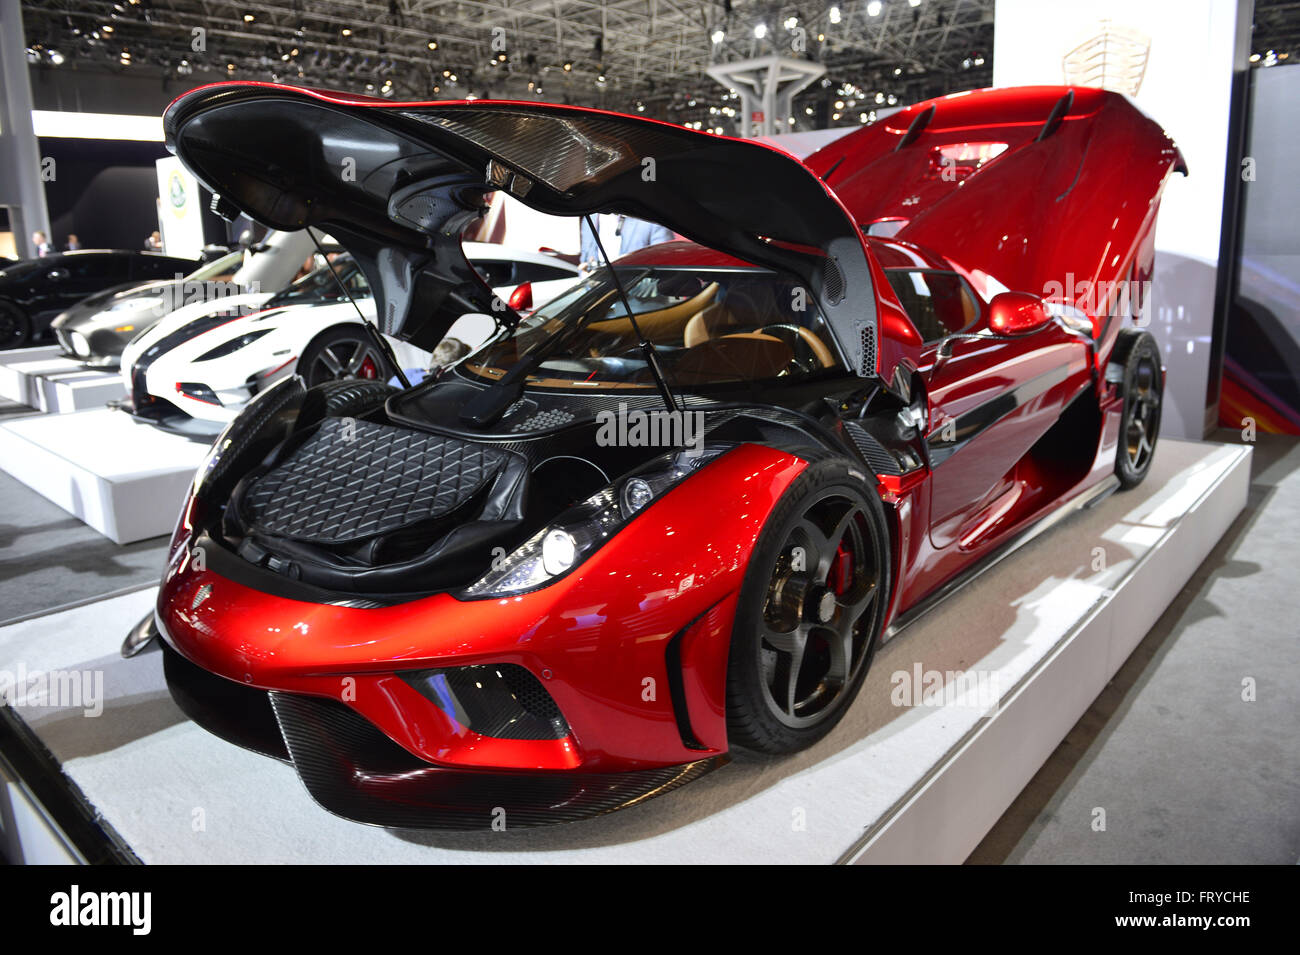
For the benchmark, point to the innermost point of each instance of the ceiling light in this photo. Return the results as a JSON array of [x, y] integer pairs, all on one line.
[[913, 3], [249, 18], [718, 36], [568, 67], [346, 31], [106, 28], [835, 14], [873, 8], [791, 22], [56, 57], [432, 44], [760, 31]]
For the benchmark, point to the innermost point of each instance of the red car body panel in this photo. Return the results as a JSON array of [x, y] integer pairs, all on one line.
[[598, 637]]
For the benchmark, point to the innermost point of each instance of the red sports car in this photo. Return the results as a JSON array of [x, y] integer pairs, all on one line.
[[672, 513]]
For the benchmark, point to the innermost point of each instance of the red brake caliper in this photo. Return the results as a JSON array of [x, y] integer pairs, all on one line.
[[840, 577], [367, 369]]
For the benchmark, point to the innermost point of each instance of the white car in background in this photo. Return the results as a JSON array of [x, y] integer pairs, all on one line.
[[198, 376]]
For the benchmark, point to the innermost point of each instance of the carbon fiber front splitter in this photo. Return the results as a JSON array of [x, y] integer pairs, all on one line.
[[353, 770]]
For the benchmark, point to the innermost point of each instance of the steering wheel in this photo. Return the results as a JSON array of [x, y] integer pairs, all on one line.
[[797, 335]]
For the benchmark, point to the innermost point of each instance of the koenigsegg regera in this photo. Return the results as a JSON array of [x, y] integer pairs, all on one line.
[[672, 513]]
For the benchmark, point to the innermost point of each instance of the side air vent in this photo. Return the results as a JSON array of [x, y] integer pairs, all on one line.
[[543, 420], [872, 451], [502, 700], [868, 350], [832, 282]]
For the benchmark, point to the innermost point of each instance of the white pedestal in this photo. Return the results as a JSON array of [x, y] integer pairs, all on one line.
[[123, 477], [42, 378], [891, 783]]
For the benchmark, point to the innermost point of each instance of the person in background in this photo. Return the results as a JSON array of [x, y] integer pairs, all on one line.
[[589, 253], [637, 234], [154, 242], [74, 243], [42, 244]]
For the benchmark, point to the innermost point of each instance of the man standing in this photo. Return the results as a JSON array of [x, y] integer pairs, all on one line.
[[637, 234], [74, 243], [42, 244]]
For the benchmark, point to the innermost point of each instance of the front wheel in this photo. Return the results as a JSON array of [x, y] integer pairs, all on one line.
[[341, 354], [1141, 383], [15, 326], [811, 611]]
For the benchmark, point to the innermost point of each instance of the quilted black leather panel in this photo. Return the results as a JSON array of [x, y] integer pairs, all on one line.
[[353, 480]]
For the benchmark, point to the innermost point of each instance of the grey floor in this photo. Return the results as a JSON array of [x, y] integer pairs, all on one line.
[[49, 559], [1184, 769]]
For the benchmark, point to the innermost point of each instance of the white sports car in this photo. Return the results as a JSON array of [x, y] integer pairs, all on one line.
[[197, 375]]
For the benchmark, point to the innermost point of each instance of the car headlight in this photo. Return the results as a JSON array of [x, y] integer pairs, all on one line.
[[137, 304], [232, 346], [80, 346], [580, 531]]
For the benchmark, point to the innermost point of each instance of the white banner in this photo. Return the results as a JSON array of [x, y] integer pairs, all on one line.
[[180, 209]]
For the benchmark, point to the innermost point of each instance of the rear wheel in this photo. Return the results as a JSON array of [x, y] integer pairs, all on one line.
[[15, 326], [811, 611], [1138, 359], [342, 354]]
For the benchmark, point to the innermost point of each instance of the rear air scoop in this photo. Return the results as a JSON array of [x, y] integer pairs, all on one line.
[[396, 183]]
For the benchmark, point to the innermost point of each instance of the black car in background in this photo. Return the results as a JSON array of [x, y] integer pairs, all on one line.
[[34, 291]]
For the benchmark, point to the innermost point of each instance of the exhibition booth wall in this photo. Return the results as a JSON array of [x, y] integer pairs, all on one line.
[[1178, 59]]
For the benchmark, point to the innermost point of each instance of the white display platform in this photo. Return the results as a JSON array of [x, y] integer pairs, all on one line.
[[125, 478], [42, 378], [1046, 627]]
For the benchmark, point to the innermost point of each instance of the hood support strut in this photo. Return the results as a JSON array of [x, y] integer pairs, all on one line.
[[380, 341], [651, 356]]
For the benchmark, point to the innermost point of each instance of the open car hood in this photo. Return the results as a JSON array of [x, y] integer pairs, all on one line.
[[397, 182]]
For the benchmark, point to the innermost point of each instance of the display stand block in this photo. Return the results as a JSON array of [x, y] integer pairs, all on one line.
[[898, 780], [44, 379], [123, 477]]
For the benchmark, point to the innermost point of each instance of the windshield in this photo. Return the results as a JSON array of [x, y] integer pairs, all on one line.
[[708, 327], [222, 267], [321, 286]]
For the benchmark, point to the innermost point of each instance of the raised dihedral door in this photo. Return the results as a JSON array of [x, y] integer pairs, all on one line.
[[990, 400]]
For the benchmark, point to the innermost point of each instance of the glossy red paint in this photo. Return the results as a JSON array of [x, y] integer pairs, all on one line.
[[1017, 313], [593, 636], [1060, 212]]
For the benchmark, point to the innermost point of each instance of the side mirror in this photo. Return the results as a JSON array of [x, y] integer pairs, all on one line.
[[1017, 313], [521, 299]]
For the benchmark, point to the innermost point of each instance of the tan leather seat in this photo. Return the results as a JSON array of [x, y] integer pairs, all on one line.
[[707, 324], [663, 325]]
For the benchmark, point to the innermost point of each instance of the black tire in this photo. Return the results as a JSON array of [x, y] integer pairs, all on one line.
[[343, 353], [792, 620], [1136, 360], [15, 326]]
